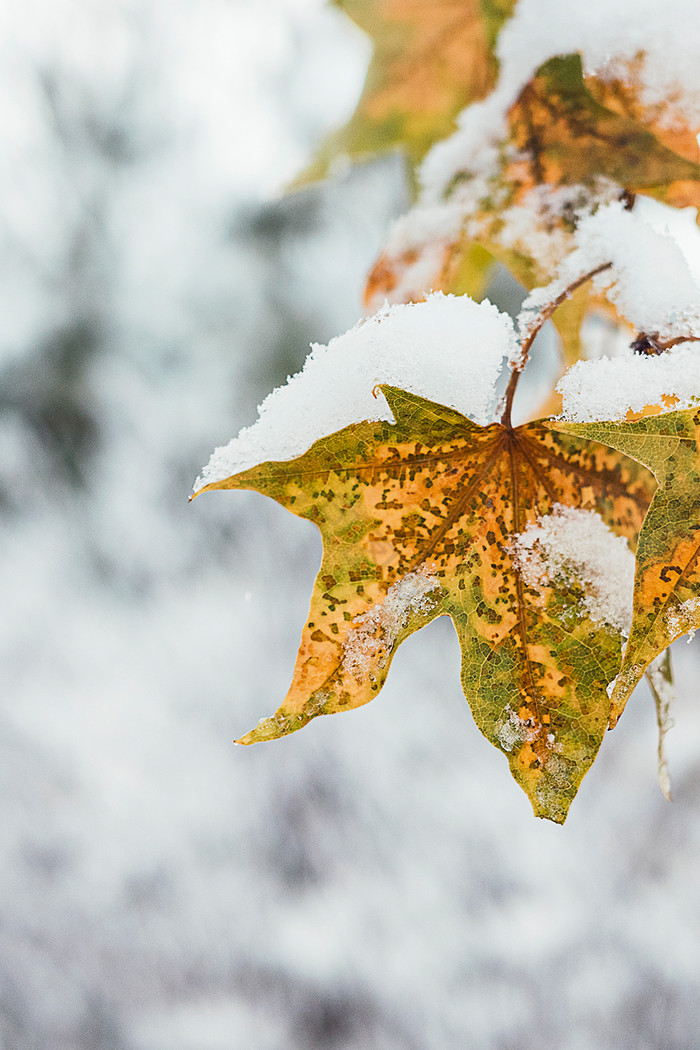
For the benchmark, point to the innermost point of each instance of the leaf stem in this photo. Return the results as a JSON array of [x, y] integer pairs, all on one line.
[[525, 348]]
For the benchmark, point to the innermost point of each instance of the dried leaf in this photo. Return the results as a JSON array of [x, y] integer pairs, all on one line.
[[659, 675], [418, 519]]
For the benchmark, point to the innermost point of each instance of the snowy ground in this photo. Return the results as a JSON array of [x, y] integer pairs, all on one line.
[[376, 882]]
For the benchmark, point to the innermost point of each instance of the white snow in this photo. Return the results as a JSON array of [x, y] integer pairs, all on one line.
[[533, 225], [576, 543], [610, 388], [683, 619], [661, 298], [514, 730], [373, 633], [448, 349]]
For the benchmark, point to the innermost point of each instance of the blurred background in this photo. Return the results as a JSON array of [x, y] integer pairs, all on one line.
[[377, 882]]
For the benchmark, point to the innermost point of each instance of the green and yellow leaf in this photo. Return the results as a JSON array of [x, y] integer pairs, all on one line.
[[667, 577], [418, 519], [431, 59]]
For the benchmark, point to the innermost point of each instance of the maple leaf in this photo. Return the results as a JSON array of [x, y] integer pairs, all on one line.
[[431, 58], [565, 131], [418, 519], [667, 576], [563, 134]]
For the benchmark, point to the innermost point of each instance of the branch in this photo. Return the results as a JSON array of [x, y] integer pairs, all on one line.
[[544, 315]]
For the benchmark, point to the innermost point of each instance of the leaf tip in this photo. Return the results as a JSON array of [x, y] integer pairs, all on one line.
[[550, 805]]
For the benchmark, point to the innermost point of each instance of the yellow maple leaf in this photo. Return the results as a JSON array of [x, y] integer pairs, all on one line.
[[667, 579], [419, 518]]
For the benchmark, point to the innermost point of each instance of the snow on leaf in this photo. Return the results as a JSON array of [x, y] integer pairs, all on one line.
[[667, 578], [562, 154], [631, 385], [577, 545], [420, 347], [663, 299], [418, 518], [431, 59]]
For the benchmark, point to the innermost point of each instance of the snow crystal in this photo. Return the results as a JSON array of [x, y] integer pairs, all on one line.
[[632, 383], [373, 634], [515, 730], [448, 349], [626, 680], [576, 543], [683, 619]]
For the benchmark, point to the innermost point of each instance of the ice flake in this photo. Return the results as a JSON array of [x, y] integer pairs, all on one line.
[[683, 619], [577, 543], [448, 349], [515, 730], [373, 634]]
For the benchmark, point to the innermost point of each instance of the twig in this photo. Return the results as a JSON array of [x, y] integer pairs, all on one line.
[[544, 316]]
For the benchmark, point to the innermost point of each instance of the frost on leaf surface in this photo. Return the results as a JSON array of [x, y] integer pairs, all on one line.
[[374, 632], [418, 516], [577, 547], [666, 602]]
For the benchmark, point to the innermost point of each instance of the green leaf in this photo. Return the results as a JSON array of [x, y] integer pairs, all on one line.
[[667, 576], [418, 519]]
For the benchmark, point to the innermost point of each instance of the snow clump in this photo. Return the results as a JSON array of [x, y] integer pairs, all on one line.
[[663, 298], [448, 349], [611, 388], [578, 543]]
